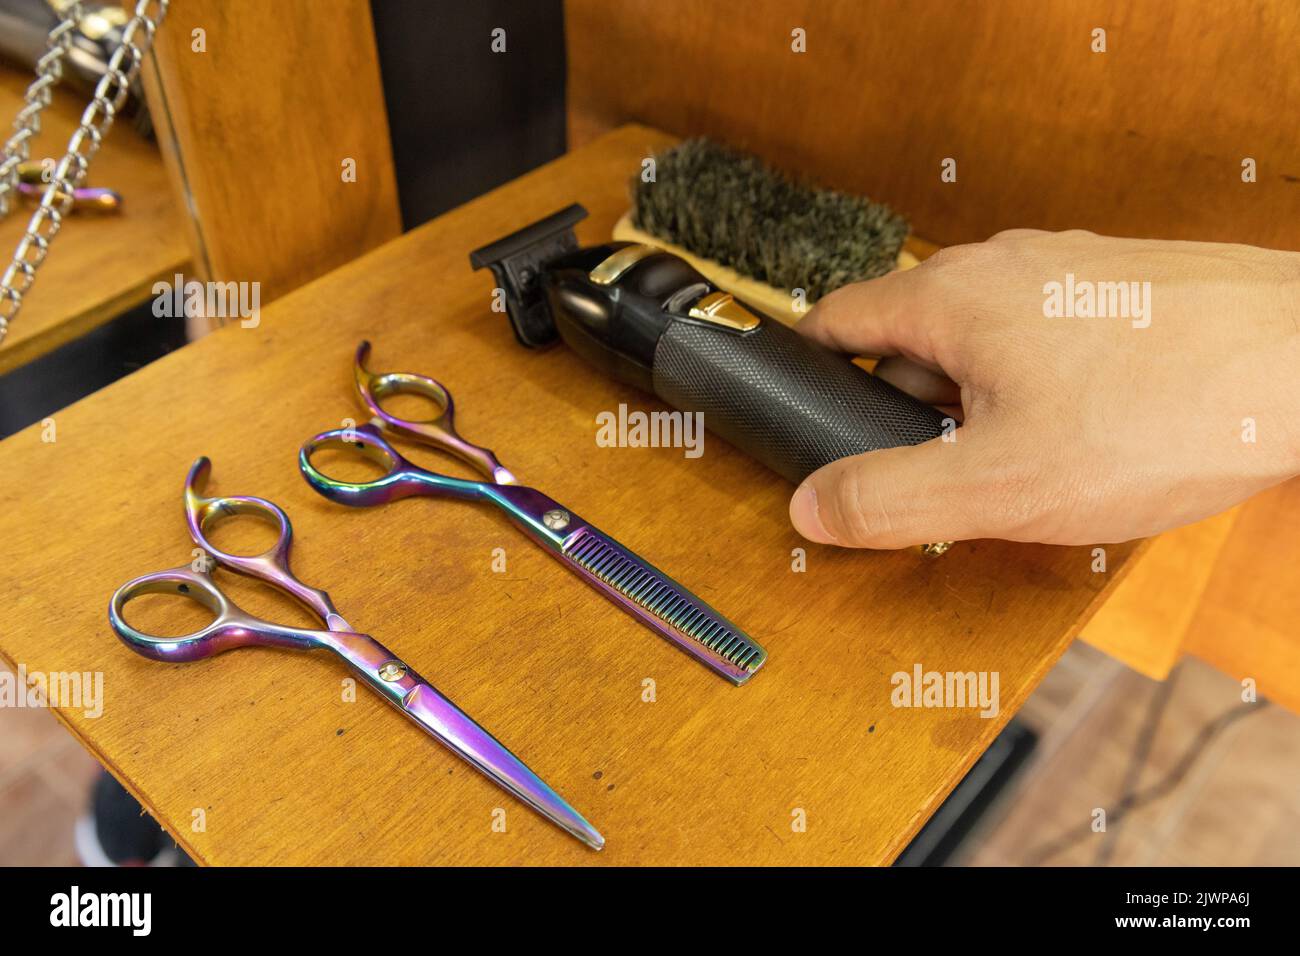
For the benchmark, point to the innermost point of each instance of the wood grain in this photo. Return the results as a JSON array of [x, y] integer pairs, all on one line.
[[1144, 622], [1146, 139], [286, 772], [255, 131], [98, 266], [1247, 622], [1224, 590]]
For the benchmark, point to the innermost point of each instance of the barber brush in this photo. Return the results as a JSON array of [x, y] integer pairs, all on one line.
[[771, 240], [651, 319]]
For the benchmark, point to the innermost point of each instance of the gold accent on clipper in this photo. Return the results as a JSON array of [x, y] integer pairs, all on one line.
[[936, 548], [618, 262], [722, 309]]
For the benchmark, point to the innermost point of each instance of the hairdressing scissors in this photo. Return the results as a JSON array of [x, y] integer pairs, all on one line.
[[384, 671], [621, 575]]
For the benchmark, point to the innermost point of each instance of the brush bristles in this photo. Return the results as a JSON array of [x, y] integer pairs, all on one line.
[[734, 209]]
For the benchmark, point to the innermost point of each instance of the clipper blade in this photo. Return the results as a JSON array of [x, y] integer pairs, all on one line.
[[664, 605], [517, 261]]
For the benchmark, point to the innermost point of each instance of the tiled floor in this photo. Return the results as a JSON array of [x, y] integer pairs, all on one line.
[[1238, 803], [1233, 800], [45, 779]]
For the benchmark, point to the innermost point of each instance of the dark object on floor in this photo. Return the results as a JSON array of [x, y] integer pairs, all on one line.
[[957, 816], [125, 833], [41, 387]]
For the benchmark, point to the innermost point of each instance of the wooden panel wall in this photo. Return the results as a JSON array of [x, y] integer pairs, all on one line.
[[1146, 139], [255, 129]]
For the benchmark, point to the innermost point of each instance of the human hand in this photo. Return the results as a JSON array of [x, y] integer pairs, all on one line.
[[1075, 430]]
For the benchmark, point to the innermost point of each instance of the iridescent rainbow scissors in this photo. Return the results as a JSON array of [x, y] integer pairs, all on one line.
[[383, 670], [624, 577]]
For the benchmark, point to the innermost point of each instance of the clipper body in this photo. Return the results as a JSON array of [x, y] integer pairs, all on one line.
[[648, 318]]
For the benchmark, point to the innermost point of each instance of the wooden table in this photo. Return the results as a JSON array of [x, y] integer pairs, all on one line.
[[98, 266], [263, 749]]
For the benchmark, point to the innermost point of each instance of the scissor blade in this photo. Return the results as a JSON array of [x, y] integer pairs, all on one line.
[[453, 728], [665, 606], [633, 583], [457, 730]]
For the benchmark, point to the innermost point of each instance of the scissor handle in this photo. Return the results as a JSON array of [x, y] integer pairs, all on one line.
[[231, 627], [272, 565], [438, 432], [402, 478]]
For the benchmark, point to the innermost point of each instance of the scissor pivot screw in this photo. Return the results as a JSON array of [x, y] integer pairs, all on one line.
[[393, 670], [557, 519]]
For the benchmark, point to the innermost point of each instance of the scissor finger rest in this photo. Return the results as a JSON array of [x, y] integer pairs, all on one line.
[[402, 480], [201, 513], [272, 565], [230, 627], [374, 387], [439, 432]]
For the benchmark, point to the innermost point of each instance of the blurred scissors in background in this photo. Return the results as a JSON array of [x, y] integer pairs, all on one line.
[[32, 185], [381, 669], [624, 577]]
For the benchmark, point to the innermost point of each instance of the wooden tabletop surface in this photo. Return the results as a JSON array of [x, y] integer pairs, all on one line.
[[98, 266], [257, 758]]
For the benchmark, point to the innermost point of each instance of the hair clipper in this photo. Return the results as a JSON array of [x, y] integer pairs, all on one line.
[[649, 319]]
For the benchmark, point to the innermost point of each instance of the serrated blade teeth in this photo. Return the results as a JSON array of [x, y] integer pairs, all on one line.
[[677, 612]]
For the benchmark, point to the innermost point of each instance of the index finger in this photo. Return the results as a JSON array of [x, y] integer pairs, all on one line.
[[901, 313]]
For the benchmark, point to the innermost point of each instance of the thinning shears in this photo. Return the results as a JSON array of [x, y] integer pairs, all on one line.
[[383, 670], [617, 572]]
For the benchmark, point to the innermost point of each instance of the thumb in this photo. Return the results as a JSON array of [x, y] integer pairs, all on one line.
[[897, 497]]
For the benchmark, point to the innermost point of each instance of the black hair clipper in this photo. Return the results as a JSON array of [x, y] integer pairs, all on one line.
[[648, 318]]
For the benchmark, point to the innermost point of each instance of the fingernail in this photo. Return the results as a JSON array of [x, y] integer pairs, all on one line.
[[806, 517]]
